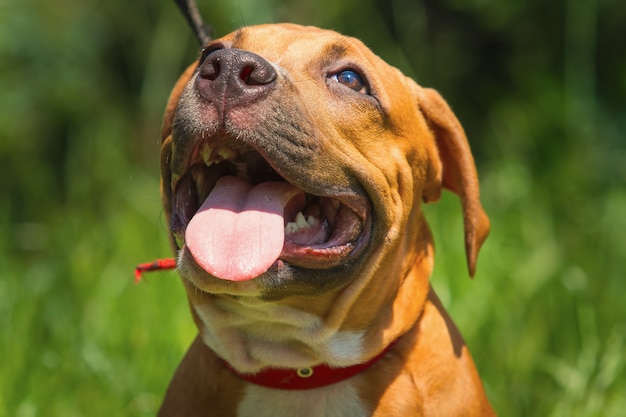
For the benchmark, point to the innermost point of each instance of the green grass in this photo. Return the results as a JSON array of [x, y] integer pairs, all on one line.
[[79, 338]]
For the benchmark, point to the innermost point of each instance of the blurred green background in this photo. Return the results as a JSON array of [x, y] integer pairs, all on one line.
[[540, 87]]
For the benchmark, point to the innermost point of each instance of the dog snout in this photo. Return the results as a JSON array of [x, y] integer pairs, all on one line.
[[234, 77]]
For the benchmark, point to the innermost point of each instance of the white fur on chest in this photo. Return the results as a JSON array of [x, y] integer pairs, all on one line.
[[256, 334], [337, 400]]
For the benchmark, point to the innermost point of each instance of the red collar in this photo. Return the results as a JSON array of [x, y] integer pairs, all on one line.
[[306, 378]]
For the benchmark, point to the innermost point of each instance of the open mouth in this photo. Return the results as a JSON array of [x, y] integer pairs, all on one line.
[[239, 217]]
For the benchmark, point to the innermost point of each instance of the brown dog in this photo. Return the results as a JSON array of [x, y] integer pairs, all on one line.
[[294, 164]]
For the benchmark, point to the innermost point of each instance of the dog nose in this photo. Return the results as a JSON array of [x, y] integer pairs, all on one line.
[[234, 77]]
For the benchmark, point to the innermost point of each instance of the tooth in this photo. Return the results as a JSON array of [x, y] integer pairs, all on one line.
[[200, 179], [301, 221], [226, 153], [211, 155], [291, 228], [207, 154], [180, 242]]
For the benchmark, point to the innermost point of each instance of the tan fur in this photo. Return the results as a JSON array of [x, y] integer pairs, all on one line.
[[396, 161]]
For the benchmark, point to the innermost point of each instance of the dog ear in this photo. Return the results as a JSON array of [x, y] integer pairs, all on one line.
[[191, 13], [458, 170]]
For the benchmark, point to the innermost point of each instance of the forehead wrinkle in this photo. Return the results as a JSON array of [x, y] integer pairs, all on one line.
[[333, 52], [293, 42], [238, 37]]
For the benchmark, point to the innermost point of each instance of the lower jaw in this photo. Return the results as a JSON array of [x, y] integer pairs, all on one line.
[[282, 280]]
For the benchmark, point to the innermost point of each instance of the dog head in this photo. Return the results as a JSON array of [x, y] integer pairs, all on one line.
[[294, 163]]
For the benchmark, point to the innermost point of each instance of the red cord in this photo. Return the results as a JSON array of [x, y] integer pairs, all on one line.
[[158, 265]]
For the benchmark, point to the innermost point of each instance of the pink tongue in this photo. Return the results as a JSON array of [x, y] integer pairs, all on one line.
[[239, 231]]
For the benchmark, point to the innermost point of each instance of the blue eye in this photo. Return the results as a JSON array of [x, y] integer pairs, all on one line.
[[352, 80]]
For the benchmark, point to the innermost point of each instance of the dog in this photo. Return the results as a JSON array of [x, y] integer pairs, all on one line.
[[294, 166]]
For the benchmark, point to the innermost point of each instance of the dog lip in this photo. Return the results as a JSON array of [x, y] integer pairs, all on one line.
[[322, 256], [349, 234]]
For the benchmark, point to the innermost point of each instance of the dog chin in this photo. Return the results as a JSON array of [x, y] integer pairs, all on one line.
[[280, 281]]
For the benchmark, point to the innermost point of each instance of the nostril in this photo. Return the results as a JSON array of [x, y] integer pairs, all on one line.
[[210, 70], [245, 75], [257, 73]]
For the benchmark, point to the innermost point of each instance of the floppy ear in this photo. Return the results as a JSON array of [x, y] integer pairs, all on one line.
[[458, 170]]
